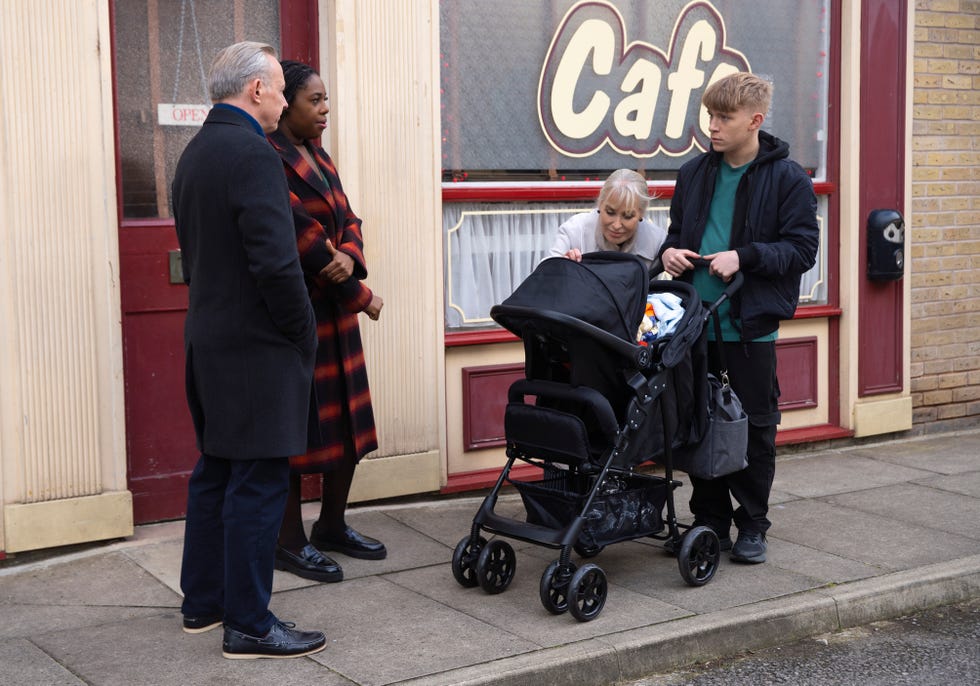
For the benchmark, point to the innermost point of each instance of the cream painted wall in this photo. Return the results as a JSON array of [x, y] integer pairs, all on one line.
[[380, 60], [458, 461], [803, 328], [62, 437], [850, 224]]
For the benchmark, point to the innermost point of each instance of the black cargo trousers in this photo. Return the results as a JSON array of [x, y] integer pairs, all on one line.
[[752, 373]]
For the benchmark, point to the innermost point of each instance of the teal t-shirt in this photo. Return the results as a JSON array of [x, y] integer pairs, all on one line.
[[717, 238]]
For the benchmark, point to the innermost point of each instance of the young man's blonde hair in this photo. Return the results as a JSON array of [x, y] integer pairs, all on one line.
[[735, 91]]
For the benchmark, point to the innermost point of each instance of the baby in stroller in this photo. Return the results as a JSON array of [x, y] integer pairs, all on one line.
[[602, 404]]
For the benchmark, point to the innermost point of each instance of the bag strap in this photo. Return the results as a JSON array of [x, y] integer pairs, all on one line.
[[721, 350]]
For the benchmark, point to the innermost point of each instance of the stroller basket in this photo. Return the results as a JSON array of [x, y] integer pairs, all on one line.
[[626, 506]]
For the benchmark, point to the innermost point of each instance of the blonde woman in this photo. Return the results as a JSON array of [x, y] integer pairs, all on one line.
[[617, 223]]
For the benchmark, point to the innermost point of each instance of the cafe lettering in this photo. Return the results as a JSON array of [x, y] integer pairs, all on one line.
[[597, 88]]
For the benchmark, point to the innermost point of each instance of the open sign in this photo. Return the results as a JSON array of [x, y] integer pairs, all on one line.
[[171, 114]]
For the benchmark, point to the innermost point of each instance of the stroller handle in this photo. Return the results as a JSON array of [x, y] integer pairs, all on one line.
[[731, 289], [699, 262]]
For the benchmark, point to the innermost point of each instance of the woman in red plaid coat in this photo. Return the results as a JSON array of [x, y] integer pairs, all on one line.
[[328, 235]]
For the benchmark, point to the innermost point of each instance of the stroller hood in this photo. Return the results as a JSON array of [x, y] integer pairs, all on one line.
[[605, 289]]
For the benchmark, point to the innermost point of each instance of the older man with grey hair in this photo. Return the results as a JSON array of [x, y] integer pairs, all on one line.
[[249, 340]]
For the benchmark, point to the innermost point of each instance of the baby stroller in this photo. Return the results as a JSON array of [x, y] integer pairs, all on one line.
[[603, 404]]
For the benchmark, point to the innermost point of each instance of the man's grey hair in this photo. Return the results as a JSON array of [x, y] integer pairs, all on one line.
[[235, 66]]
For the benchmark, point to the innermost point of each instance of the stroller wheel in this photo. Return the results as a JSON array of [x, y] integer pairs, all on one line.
[[464, 561], [554, 587], [587, 550], [587, 592], [496, 566], [698, 556]]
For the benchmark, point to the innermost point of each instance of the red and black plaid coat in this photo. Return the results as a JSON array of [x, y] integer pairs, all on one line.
[[321, 211]]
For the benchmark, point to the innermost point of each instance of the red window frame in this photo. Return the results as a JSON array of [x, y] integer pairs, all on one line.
[[489, 192]]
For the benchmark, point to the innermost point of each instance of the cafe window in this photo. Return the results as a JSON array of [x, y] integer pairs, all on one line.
[[541, 101], [163, 50]]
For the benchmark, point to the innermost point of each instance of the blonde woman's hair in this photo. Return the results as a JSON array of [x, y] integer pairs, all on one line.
[[625, 188], [735, 91]]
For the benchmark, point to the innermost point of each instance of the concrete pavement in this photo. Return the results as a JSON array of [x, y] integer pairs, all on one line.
[[859, 534]]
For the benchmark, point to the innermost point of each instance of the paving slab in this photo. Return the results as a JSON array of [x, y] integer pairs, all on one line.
[[380, 632], [25, 663], [918, 504], [25, 620], [155, 652], [967, 483], [448, 522], [777, 496], [407, 547], [112, 579], [518, 610], [821, 567], [162, 560], [946, 454], [839, 472], [876, 540], [734, 584]]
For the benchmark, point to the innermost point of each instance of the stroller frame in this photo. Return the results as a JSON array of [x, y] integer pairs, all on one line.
[[577, 479]]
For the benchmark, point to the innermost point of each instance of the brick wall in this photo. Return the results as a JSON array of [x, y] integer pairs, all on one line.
[[945, 222]]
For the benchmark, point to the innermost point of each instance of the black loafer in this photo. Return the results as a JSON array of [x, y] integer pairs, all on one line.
[[351, 543], [283, 640], [198, 625], [310, 563]]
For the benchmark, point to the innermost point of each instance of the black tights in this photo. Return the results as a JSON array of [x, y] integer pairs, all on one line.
[[333, 503]]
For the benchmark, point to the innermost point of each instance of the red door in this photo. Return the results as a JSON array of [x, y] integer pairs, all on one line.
[[161, 53], [882, 155]]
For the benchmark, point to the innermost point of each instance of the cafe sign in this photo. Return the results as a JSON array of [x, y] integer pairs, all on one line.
[[598, 87], [532, 89]]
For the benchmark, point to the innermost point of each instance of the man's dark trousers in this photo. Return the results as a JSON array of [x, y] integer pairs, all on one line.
[[752, 373], [234, 510]]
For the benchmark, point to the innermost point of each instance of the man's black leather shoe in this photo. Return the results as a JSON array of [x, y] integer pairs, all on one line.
[[310, 563], [351, 543], [198, 625], [283, 640]]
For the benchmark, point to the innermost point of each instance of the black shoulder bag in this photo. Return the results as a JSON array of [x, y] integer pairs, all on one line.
[[723, 449]]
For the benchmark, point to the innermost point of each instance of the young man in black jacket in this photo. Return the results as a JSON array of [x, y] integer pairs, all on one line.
[[744, 206]]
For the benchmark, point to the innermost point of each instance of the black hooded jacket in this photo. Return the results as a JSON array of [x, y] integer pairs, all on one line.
[[774, 230]]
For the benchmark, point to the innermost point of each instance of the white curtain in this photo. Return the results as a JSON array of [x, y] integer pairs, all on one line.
[[492, 247]]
